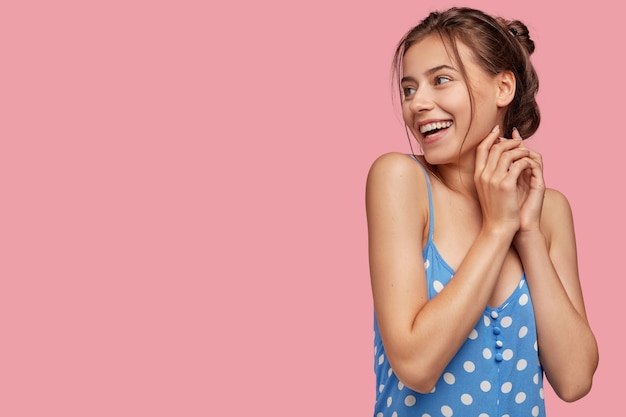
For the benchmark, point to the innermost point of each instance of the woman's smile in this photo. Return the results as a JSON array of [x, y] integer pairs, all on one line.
[[432, 131]]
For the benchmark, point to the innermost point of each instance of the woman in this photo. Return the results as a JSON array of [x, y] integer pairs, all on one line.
[[473, 261]]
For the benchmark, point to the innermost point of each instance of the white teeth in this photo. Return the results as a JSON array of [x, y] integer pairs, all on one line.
[[437, 125]]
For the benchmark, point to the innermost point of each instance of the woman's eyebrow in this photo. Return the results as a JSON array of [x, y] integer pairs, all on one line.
[[429, 72], [440, 67]]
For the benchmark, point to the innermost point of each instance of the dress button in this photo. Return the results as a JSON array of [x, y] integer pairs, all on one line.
[[498, 357], [496, 330], [494, 315], [499, 344]]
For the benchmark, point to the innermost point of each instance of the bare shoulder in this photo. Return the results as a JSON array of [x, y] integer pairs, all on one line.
[[556, 204], [396, 200], [557, 215], [397, 171]]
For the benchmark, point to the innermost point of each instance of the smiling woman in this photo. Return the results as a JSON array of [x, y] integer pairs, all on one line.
[[473, 260]]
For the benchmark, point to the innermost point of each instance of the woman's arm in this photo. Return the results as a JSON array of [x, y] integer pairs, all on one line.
[[567, 346], [421, 336]]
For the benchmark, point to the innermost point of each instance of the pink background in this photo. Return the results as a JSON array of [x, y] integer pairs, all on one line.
[[182, 221]]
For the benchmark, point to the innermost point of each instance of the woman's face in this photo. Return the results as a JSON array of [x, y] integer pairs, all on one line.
[[436, 103]]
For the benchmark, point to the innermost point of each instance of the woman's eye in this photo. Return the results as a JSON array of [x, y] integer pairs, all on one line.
[[408, 91], [441, 80]]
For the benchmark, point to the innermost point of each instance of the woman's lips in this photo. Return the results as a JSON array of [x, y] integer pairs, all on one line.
[[434, 137]]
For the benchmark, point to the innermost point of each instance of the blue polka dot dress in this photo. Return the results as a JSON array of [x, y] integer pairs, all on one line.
[[495, 373]]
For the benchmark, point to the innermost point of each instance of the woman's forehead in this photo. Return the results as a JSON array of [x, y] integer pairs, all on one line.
[[433, 51]]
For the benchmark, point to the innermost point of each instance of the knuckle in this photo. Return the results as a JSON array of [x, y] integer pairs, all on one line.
[[494, 183]]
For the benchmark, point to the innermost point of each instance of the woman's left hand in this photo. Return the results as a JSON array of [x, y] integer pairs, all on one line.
[[530, 191]]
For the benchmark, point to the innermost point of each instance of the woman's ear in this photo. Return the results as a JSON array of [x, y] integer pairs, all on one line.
[[506, 88]]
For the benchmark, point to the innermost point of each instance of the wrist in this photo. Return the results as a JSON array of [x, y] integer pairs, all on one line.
[[529, 238], [500, 233]]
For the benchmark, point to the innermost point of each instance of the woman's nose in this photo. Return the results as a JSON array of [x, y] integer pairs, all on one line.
[[421, 101]]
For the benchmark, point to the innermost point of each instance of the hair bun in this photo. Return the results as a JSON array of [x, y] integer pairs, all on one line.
[[519, 30]]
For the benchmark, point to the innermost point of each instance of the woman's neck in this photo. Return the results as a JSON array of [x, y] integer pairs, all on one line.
[[458, 178]]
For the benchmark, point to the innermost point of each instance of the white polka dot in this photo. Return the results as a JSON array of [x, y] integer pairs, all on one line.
[[380, 415], [536, 379], [487, 321], [449, 378], [535, 347], [506, 321], [389, 401], [487, 353], [521, 364], [410, 401], [541, 393], [381, 359], [433, 390], [395, 414], [506, 387], [446, 411], [520, 398], [523, 300], [506, 415], [438, 286], [535, 411], [426, 264], [400, 385], [473, 335], [426, 415], [389, 372], [381, 387], [485, 386], [375, 350], [507, 354], [483, 415], [469, 366], [521, 283], [523, 331], [466, 399]]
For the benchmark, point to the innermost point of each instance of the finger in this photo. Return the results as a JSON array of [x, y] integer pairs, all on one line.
[[508, 158], [536, 156], [537, 179], [482, 151], [500, 151], [517, 137], [517, 168], [524, 165]]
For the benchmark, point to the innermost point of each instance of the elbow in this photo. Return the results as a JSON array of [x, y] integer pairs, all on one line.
[[577, 384], [574, 392], [575, 387], [417, 378], [420, 385], [419, 366]]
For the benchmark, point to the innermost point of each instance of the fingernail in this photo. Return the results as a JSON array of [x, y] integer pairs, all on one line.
[[495, 129]]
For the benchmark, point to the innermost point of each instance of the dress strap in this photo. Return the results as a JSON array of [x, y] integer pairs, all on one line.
[[431, 226]]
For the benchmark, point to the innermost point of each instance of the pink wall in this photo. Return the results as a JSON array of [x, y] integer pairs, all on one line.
[[182, 218]]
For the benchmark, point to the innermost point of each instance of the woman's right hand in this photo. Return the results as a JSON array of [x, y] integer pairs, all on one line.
[[499, 164]]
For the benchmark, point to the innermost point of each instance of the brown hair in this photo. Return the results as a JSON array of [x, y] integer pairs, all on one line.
[[497, 44]]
